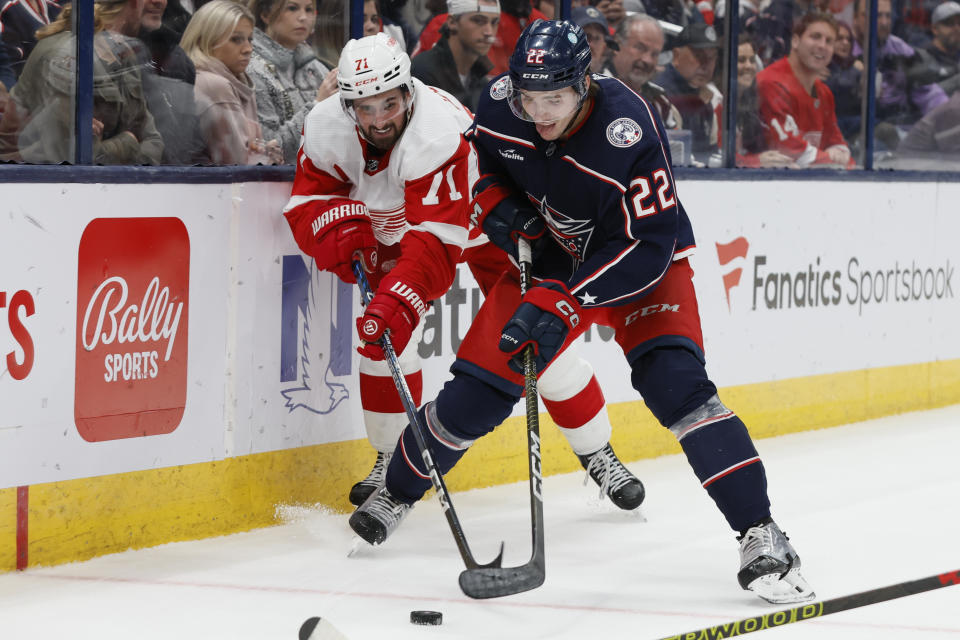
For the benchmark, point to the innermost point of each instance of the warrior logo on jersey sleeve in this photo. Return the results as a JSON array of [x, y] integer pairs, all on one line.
[[624, 132], [571, 234]]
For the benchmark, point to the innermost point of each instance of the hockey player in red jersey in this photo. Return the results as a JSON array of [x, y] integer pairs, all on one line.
[[384, 174], [796, 104], [588, 181]]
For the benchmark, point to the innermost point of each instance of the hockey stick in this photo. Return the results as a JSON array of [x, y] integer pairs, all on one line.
[[820, 609], [495, 582], [418, 433]]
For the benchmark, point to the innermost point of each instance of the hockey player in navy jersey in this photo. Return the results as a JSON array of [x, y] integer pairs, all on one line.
[[579, 165], [385, 174]]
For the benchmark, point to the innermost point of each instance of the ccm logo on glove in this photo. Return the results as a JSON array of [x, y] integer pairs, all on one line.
[[546, 315]]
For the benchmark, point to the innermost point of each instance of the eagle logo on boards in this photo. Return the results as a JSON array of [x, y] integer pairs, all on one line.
[[624, 132], [500, 88], [315, 337]]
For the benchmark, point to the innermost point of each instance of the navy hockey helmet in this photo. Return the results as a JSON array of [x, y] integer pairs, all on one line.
[[550, 55]]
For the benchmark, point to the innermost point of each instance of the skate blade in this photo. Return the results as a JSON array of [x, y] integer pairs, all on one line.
[[789, 589], [356, 545]]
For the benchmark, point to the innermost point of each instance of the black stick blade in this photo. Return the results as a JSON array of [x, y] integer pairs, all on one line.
[[491, 582]]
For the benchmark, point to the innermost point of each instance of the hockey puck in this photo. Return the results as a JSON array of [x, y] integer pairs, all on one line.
[[307, 628], [426, 617]]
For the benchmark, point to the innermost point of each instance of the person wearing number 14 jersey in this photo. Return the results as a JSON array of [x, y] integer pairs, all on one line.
[[580, 166], [384, 175]]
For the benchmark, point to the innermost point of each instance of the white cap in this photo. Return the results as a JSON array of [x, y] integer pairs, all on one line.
[[944, 11], [458, 7]]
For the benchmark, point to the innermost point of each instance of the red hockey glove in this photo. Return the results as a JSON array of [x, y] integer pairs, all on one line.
[[342, 234], [545, 316], [508, 220], [397, 307]]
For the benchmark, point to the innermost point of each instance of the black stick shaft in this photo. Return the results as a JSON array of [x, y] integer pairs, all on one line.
[[820, 609], [533, 419]]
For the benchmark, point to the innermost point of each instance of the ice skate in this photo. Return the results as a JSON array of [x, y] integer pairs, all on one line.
[[362, 490], [614, 479], [770, 567], [378, 516]]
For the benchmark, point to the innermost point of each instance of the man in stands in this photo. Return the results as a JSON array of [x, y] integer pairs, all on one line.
[[598, 35], [589, 184], [944, 49], [902, 99], [458, 63], [688, 81], [384, 176], [640, 41], [796, 104]]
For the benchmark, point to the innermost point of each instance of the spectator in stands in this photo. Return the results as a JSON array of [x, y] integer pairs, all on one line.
[[901, 100], [640, 41], [458, 63], [168, 84], [287, 76], [944, 49], [687, 79], [598, 35], [514, 16], [612, 11], [374, 21], [38, 123], [219, 40], [911, 21], [19, 21], [796, 106], [845, 80], [938, 131], [752, 148]]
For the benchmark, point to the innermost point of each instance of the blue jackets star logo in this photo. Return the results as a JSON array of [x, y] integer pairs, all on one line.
[[571, 234]]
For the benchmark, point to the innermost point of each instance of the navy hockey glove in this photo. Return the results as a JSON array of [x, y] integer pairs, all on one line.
[[508, 220], [342, 234], [545, 316], [397, 307]]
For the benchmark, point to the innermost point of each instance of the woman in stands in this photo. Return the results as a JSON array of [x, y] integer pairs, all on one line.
[[38, 123], [288, 77], [219, 41]]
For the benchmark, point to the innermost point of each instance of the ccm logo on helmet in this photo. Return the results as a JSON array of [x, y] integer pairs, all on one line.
[[567, 310], [360, 83], [535, 56], [536, 76]]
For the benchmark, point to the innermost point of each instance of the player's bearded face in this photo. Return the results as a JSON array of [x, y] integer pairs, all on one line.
[[382, 117], [551, 111]]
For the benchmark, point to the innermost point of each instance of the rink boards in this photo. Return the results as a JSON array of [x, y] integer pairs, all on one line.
[[176, 369]]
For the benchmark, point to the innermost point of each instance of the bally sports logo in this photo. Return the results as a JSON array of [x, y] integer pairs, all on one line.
[[133, 280]]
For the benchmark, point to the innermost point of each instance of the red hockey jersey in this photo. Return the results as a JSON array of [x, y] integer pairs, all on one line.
[[800, 125]]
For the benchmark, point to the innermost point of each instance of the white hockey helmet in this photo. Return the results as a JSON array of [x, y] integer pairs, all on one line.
[[371, 65]]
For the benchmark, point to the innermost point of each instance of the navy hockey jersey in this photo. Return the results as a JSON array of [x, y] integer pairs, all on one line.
[[606, 193]]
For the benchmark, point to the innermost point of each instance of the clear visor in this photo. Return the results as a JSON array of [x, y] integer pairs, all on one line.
[[545, 107], [377, 109]]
